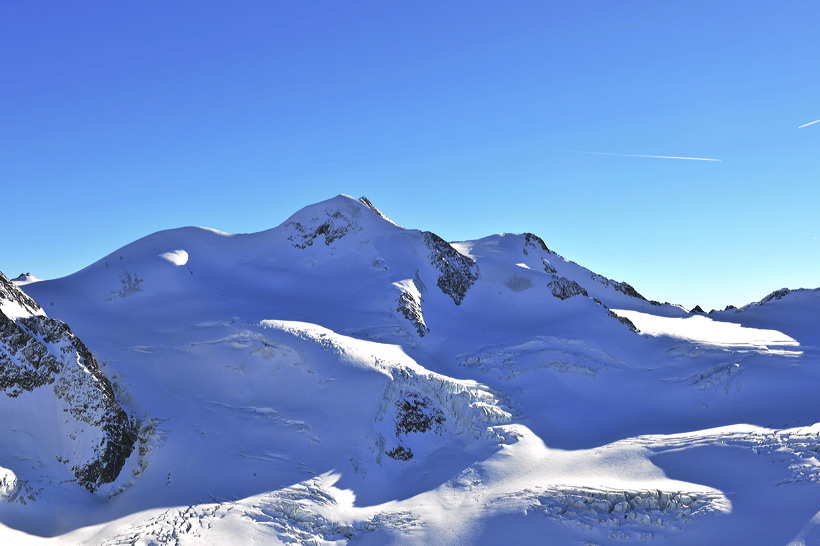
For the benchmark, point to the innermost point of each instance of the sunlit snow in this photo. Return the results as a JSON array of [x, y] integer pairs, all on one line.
[[703, 329]]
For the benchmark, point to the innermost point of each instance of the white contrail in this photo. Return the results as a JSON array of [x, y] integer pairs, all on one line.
[[807, 124], [651, 156]]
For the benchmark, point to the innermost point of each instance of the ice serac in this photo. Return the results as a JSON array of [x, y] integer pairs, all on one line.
[[45, 368]]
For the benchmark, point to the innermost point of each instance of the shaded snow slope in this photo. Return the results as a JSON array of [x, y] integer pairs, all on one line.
[[340, 378]]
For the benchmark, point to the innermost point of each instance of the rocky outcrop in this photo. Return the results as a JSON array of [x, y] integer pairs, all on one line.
[[623, 320], [534, 241], [334, 226], [366, 202], [409, 305], [697, 309], [38, 352], [622, 287], [12, 297], [564, 288], [415, 413], [457, 273]]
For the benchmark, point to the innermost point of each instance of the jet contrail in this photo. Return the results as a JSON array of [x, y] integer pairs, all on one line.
[[807, 124], [651, 156]]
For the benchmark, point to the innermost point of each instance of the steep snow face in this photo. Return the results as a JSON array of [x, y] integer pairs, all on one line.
[[51, 388]]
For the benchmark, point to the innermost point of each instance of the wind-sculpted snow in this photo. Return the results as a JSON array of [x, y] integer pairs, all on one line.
[[796, 448], [560, 355]]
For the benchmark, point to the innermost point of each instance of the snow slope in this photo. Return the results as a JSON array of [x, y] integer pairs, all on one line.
[[341, 379]]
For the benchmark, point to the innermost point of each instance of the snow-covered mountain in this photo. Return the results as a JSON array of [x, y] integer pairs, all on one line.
[[340, 378]]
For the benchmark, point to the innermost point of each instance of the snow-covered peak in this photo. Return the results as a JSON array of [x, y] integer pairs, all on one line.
[[333, 219], [24, 278], [14, 303], [529, 251], [788, 295]]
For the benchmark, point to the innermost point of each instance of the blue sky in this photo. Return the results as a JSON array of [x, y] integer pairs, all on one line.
[[464, 118]]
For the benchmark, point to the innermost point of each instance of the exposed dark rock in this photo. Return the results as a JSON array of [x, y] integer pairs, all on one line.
[[776, 295], [697, 309], [456, 271], [564, 288], [25, 362], [534, 241], [366, 202], [416, 413], [335, 226], [130, 285], [37, 351], [621, 287], [410, 307], [783, 292], [622, 320], [400, 453], [9, 292], [548, 267], [730, 307]]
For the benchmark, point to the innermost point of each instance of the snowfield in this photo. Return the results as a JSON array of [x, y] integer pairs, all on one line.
[[341, 379]]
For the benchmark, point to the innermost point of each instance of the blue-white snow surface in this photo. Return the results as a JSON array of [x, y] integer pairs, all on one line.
[[342, 379]]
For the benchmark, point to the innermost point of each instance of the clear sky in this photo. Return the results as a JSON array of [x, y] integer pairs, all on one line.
[[119, 119]]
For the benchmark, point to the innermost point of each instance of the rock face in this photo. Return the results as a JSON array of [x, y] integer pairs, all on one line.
[[564, 288], [366, 202], [534, 241], [335, 226], [409, 305], [457, 273], [38, 353], [622, 287]]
